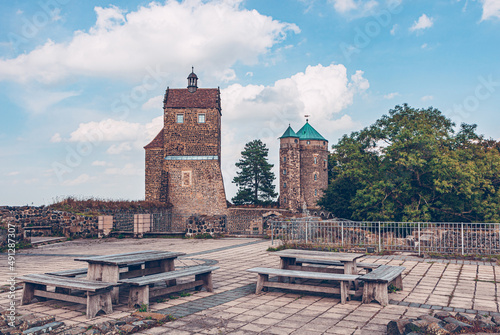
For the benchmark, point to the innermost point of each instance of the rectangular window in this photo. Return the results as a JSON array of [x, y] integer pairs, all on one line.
[[284, 159], [315, 193], [284, 171], [180, 118], [315, 160], [201, 118], [186, 178], [284, 185]]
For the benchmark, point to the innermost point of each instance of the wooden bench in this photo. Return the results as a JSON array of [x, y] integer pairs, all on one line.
[[377, 282], [98, 294], [69, 273], [299, 261], [264, 273], [141, 292]]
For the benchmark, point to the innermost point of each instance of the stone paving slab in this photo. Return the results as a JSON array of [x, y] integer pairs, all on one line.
[[233, 308]]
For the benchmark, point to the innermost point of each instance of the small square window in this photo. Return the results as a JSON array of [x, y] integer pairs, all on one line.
[[180, 118], [201, 118]]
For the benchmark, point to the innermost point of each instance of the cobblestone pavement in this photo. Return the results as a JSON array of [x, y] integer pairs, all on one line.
[[233, 308]]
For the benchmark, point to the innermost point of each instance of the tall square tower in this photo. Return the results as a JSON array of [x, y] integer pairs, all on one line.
[[183, 164]]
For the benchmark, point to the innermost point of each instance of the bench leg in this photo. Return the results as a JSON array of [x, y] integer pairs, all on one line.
[[398, 282], [138, 295], [98, 302], [344, 288], [260, 282], [29, 292], [207, 281], [375, 291]]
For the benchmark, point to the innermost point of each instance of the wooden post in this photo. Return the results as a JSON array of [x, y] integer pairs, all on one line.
[[97, 302], [138, 295], [168, 265], [111, 274], [375, 291], [260, 282]]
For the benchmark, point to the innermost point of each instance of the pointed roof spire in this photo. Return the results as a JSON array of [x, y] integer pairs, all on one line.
[[307, 132], [289, 132]]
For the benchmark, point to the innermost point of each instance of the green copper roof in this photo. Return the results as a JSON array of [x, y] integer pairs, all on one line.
[[309, 133], [289, 133]]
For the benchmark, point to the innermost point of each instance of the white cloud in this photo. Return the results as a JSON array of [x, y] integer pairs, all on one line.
[[491, 9], [100, 163], [427, 98], [117, 149], [127, 170], [391, 95], [154, 103], [362, 7], [424, 46], [37, 100], [394, 29], [213, 35], [423, 22], [81, 179], [56, 138], [110, 130], [13, 173], [320, 91]]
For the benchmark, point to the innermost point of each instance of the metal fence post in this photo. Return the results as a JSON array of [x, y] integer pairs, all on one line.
[[342, 232], [272, 232], [462, 229], [419, 241], [307, 230], [379, 238]]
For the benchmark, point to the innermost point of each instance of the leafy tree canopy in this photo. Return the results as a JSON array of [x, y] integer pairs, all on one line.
[[255, 178], [411, 165]]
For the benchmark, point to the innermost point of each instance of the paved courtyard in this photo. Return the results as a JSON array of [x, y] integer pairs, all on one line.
[[233, 308]]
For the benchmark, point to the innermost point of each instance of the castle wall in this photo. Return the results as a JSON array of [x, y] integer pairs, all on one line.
[[195, 187], [191, 138], [155, 181], [311, 187]]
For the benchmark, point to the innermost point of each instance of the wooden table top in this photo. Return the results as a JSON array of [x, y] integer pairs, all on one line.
[[135, 257], [318, 255]]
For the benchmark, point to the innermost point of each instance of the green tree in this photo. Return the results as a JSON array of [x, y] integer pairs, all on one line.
[[411, 165], [255, 178]]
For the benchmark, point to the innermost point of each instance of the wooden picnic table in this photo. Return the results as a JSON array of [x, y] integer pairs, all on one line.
[[138, 263], [289, 257]]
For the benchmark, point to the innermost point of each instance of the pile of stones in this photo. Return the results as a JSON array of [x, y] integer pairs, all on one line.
[[442, 323], [30, 324]]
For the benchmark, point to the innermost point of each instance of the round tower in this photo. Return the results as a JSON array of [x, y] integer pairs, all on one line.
[[290, 170], [313, 165]]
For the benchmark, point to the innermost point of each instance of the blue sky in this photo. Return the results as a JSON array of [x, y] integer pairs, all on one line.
[[81, 82]]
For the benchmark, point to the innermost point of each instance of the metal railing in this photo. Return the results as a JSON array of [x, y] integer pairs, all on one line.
[[428, 237]]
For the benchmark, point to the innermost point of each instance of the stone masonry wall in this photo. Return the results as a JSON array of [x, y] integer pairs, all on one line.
[[190, 137], [155, 175], [290, 195], [196, 187], [311, 187]]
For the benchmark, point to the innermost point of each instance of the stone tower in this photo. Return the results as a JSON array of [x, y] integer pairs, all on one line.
[[183, 161], [303, 168]]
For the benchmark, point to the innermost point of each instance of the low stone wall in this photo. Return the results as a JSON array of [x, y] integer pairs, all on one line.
[[213, 225], [42, 221], [253, 221]]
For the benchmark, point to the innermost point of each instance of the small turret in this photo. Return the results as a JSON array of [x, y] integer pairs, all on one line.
[[192, 81]]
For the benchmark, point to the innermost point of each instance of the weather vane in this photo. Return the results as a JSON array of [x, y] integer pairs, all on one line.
[[307, 115]]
